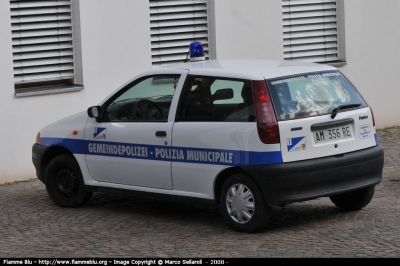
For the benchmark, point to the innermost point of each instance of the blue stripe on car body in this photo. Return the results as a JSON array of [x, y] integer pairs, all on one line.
[[163, 153]]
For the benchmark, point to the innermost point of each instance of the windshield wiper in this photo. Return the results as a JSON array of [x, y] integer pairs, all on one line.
[[343, 106]]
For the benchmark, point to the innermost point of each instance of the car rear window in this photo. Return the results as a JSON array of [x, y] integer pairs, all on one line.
[[311, 94]]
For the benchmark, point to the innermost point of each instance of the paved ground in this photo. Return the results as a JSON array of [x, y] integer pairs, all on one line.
[[122, 226]]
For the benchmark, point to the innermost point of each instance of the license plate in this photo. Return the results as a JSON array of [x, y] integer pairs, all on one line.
[[334, 133]]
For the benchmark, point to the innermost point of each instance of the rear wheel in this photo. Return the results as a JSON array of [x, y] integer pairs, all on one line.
[[243, 205], [64, 182], [354, 200]]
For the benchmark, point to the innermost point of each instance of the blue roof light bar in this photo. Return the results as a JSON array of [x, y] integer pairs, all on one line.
[[196, 51]]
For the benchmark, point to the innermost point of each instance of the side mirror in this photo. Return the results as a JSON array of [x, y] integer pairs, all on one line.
[[94, 111], [222, 94]]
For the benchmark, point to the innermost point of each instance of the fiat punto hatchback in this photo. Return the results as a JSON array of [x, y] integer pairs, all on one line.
[[243, 134]]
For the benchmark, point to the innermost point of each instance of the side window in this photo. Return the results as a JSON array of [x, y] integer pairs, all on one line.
[[210, 99], [236, 87], [148, 99]]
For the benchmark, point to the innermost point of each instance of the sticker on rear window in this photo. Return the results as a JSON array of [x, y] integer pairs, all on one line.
[[365, 131], [296, 144]]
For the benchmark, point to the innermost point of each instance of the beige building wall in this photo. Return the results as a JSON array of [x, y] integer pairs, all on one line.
[[246, 29], [373, 55]]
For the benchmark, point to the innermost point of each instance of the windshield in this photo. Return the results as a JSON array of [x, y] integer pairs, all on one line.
[[312, 95]]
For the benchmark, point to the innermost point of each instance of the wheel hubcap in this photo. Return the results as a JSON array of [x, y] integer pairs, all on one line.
[[240, 203], [66, 181]]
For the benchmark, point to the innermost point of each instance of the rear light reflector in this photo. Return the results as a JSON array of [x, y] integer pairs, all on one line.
[[267, 125]]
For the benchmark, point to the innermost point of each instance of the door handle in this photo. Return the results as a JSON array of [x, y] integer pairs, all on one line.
[[161, 134]]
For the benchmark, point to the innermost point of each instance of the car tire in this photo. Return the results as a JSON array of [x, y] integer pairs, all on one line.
[[64, 182], [243, 205], [354, 200]]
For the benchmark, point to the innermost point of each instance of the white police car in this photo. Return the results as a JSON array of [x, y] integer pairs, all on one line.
[[245, 134]]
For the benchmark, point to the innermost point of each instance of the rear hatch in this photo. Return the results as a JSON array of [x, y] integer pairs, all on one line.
[[320, 114]]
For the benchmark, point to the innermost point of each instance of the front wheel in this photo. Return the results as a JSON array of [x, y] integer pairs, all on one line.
[[64, 182], [243, 205], [354, 200]]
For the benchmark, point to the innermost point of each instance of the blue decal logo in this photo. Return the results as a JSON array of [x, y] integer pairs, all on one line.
[[296, 144], [99, 133]]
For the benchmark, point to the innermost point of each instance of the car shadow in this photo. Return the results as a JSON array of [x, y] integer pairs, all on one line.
[[201, 216]]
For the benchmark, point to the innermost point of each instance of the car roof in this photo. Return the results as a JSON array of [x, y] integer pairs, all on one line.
[[254, 69]]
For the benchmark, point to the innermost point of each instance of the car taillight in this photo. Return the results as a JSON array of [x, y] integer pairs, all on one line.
[[373, 118], [38, 138], [267, 126]]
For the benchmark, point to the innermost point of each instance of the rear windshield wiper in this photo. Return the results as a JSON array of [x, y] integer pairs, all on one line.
[[343, 106]]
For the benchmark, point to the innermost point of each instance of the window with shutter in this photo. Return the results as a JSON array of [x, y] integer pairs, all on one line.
[[42, 42], [174, 25], [310, 30]]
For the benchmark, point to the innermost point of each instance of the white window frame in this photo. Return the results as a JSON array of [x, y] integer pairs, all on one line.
[[314, 31], [43, 51], [174, 24]]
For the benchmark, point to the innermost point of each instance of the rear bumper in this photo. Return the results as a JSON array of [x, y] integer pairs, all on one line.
[[37, 156], [322, 177]]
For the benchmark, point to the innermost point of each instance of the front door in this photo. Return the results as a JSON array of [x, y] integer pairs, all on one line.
[[130, 143]]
